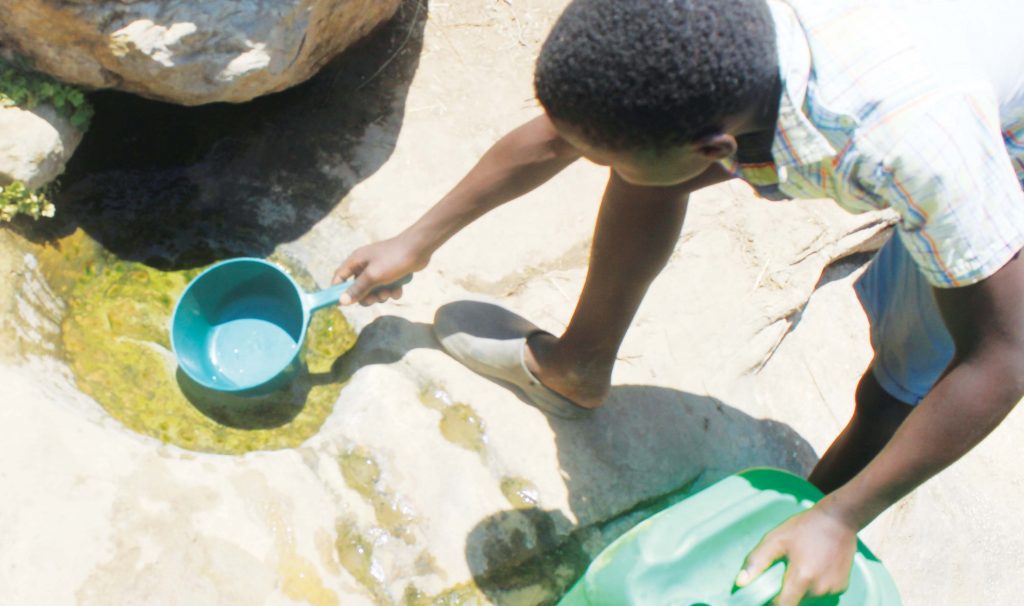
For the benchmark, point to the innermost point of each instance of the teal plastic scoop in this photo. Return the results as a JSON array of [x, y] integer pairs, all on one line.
[[239, 326], [690, 553]]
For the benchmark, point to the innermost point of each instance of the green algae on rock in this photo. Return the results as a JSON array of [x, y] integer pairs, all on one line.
[[299, 579], [466, 594], [520, 492], [355, 553], [434, 397], [360, 470], [461, 425], [115, 337], [362, 473]]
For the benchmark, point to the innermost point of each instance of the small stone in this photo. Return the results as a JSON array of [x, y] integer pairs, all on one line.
[[35, 145]]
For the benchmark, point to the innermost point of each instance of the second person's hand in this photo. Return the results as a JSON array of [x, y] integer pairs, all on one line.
[[818, 548], [378, 264]]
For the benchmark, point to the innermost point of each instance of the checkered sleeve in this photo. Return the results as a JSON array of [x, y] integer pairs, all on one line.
[[941, 163]]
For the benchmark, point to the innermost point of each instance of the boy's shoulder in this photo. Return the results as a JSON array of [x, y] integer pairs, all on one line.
[[860, 53]]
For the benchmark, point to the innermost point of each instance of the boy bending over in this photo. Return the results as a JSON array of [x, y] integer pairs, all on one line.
[[913, 106]]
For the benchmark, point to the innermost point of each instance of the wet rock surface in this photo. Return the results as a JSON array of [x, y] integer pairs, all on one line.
[[424, 483], [115, 338], [187, 52]]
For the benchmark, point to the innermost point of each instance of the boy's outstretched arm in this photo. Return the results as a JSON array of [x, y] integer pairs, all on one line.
[[519, 162], [981, 386]]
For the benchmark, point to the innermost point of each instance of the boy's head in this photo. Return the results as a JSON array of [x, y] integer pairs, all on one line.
[[658, 84]]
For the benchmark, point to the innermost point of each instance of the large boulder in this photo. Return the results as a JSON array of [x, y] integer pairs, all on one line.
[[187, 52]]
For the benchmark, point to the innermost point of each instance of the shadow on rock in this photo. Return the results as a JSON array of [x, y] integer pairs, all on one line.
[[386, 340], [646, 449], [523, 556], [178, 187], [654, 440], [265, 411]]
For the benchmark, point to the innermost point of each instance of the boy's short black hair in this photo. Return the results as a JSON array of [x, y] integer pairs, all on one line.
[[633, 74]]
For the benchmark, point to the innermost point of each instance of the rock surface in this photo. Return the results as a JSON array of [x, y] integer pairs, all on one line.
[[428, 484], [35, 144], [187, 52]]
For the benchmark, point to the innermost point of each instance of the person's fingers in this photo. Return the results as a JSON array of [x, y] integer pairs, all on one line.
[[349, 267], [827, 588], [363, 287], [359, 290], [767, 552], [794, 588], [832, 580], [381, 295]]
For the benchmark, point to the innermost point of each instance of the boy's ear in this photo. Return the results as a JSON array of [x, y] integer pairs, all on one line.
[[716, 147]]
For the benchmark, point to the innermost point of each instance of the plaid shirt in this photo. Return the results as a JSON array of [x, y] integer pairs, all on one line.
[[864, 121]]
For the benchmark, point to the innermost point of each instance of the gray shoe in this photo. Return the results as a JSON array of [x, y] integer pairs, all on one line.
[[491, 341]]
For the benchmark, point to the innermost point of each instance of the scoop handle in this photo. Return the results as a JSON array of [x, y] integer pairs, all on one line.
[[763, 589], [329, 296]]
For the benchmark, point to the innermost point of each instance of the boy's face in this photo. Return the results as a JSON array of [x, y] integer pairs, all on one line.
[[654, 168]]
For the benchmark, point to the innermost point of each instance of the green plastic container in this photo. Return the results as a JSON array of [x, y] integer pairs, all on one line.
[[690, 554]]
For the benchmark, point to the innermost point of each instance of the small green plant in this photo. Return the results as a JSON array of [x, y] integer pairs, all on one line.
[[29, 89], [17, 199]]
